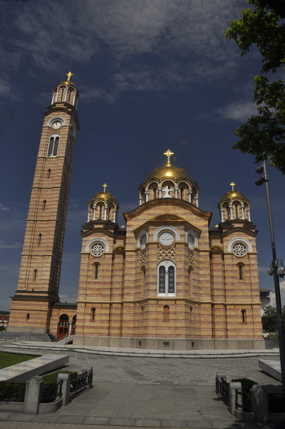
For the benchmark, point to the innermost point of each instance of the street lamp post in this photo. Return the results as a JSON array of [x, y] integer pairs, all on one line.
[[276, 269]]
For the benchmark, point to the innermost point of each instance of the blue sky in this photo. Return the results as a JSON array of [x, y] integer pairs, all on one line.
[[152, 74]]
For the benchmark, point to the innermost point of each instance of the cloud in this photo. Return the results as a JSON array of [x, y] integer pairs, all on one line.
[[3, 208], [173, 42], [238, 111]]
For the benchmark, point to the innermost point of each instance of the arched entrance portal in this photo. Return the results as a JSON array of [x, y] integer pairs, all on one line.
[[63, 326]]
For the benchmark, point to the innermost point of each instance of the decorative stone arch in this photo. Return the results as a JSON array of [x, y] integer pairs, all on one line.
[[166, 227], [97, 239], [166, 278], [239, 240], [184, 191], [152, 190], [168, 189]]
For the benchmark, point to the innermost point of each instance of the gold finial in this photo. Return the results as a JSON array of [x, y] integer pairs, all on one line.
[[68, 77], [233, 185], [105, 186], [168, 155]]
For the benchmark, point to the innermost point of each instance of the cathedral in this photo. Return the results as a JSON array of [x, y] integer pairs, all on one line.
[[167, 279]]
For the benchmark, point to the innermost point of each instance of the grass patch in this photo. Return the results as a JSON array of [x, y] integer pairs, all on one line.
[[8, 359]]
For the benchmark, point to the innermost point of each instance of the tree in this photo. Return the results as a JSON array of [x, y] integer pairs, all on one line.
[[263, 26], [269, 319]]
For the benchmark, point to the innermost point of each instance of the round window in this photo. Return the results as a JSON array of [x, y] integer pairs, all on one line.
[[97, 249], [239, 249]]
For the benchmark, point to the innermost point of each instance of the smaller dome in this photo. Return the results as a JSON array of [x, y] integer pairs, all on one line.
[[104, 196], [233, 194]]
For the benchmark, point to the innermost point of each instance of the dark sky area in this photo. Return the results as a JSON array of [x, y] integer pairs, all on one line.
[[152, 74]]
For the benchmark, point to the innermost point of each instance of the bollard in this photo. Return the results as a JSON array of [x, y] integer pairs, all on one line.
[[32, 395], [65, 389]]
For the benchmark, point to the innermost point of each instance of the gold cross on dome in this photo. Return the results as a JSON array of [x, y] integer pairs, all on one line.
[[233, 185], [105, 186], [69, 76], [168, 155]]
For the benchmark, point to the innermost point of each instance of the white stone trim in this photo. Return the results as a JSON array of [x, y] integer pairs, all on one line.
[[166, 227], [166, 263], [87, 248], [242, 240]]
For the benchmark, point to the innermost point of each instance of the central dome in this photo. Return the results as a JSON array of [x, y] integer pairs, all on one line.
[[169, 181]]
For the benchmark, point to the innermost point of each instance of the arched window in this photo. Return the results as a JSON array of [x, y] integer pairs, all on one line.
[[39, 239], [60, 94], [166, 313], [48, 173], [184, 191], [96, 270], [99, 211], [28, 316], [166, 278], [63, 326], [35, 275], [53, 146], [168, 190], [153, 191], [93, 314], [69, 98], [243, 316], [241, 271], [44, 204]]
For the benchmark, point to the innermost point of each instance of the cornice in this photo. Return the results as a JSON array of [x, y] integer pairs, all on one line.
[[167, 202]]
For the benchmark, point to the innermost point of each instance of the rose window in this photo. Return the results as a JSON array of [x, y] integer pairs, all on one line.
[[239, 249], [97, 249]]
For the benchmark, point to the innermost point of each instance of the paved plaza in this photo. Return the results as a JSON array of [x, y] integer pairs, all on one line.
[[148, 392]]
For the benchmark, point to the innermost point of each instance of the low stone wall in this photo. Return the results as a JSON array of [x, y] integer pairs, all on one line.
[[29, 368], [170, 343]]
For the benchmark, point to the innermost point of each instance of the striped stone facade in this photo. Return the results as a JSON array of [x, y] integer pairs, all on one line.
[[164, 280]]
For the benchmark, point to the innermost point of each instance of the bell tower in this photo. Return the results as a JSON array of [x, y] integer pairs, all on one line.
[[41, 256]]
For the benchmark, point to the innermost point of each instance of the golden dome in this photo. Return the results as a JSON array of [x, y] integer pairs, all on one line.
[[105, 196], [168, 171], [233, 194]]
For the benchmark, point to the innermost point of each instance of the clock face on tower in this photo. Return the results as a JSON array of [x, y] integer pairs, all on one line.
[[56, 123], [166, 238]]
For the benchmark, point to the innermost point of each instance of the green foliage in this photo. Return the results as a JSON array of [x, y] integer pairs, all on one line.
[[269, 319], [263, 26], [8, 359]]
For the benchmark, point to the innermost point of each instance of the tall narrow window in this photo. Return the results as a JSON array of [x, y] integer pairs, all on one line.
[[93, 314], [35, 275], [28, 316], [166, 278], [48, 173], [241, 271], [162, 278], [96, 270], [166, 313], [243, 316], [39, 239], [171, 280], [53, 146], [44, 204], [69, 95]]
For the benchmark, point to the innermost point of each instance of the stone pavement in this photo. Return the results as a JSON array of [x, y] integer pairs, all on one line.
[[147, 392]]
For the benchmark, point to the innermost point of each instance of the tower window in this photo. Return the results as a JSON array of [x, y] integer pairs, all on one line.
[[53, 146], [93, 314], [166, 278], [48, 173], [39, 239], [166, 313], [35, 275], [243, 316], [96, 270], [44, 204], [28, 316], [241, 271]]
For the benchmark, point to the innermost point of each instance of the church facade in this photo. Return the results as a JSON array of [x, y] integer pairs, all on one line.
[[167, 279]]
